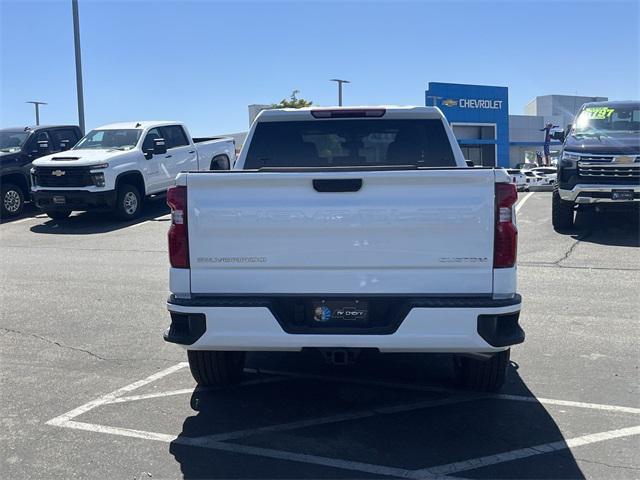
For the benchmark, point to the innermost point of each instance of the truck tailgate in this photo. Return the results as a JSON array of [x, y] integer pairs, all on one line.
[[403, 232]]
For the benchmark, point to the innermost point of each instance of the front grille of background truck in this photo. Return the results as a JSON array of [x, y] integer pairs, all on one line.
[[63, 177], [604, 168]]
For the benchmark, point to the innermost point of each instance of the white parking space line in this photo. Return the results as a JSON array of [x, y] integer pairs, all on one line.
[[26, 219], [64, 418], [524, 452], [567, 403], [135, 225], [153, 220], [299, 457], [362, 381], [123, 432], [22, 220], [338, 418], [521, 203], [497, 396], [184, 391], [439, 471], [147, 396], [217, 441], [206, 442]]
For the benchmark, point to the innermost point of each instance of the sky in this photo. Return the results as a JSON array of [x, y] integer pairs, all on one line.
[[204, 62]]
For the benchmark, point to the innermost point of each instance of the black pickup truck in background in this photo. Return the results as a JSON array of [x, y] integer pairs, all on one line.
[[18, 148], [600, 164]]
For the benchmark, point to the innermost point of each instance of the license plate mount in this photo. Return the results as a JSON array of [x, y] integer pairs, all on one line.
[[622, 195], [339, 312], [59, 200]]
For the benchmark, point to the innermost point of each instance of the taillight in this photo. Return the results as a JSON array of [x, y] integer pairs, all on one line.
[[505, 244], [178, 235]]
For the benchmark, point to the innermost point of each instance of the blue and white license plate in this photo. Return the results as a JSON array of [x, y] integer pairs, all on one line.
[[622, 195], [330, 311]]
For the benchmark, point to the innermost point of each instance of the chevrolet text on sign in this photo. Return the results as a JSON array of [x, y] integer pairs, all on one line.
[[473, 103]]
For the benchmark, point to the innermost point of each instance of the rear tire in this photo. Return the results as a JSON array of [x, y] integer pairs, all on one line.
[[483, 375], [58, 214], [128, 202], [12, 200], [562, 212], [213, 369], [220, 162]]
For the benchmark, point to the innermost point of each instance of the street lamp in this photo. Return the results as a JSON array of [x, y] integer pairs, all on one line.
[[339, 82], [76, 42], [37, 105]]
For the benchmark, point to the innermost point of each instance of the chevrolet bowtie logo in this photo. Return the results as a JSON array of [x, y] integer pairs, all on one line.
[[449, 102], [623, 159], [58, 173]]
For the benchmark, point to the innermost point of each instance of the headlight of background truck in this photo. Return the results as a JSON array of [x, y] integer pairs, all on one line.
[[98, 177], [569, 160]]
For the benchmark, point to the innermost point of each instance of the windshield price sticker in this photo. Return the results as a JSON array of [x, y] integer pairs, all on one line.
[[598, 113]]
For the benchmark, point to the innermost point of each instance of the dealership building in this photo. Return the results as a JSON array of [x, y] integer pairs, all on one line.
[[487, 134], [479, 116]]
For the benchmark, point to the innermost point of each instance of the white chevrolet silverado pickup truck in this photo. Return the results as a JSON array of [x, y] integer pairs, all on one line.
[[116, 166], [340, 230]]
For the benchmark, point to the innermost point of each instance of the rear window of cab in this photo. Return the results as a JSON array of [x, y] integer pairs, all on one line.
[[335, 143]]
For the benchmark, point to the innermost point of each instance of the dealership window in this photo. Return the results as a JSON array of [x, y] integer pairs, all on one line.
[[474, 132], [484, 155], [479, 154]]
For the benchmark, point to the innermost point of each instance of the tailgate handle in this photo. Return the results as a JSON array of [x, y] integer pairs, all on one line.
[[337, 184]]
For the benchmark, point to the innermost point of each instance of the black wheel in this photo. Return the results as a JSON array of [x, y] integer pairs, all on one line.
[[484, 375], [216, 368], [561, 212], [220, 162], [58, 214], [12, 200], [128, 202]]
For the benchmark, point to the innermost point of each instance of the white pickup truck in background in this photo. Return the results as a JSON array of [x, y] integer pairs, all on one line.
[[345, 229], [115, 166]]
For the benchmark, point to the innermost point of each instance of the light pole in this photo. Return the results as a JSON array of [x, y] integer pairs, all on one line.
[[37, 105], [76, 42], [339, 82]]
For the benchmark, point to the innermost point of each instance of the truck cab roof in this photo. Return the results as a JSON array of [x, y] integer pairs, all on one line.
[[142, 124], [362, 111], [613, 103], [35, 128]]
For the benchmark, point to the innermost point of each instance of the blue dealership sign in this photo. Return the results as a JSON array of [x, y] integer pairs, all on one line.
[[469, 106]]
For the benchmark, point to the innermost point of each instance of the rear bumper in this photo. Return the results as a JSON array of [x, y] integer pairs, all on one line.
[[74, 199], [584, 194], [444, 324]]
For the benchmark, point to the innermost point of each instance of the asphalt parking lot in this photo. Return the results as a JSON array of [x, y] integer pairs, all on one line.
[[90, 390]]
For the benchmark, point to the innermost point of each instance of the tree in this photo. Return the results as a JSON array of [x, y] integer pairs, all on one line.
[[293, 102]]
